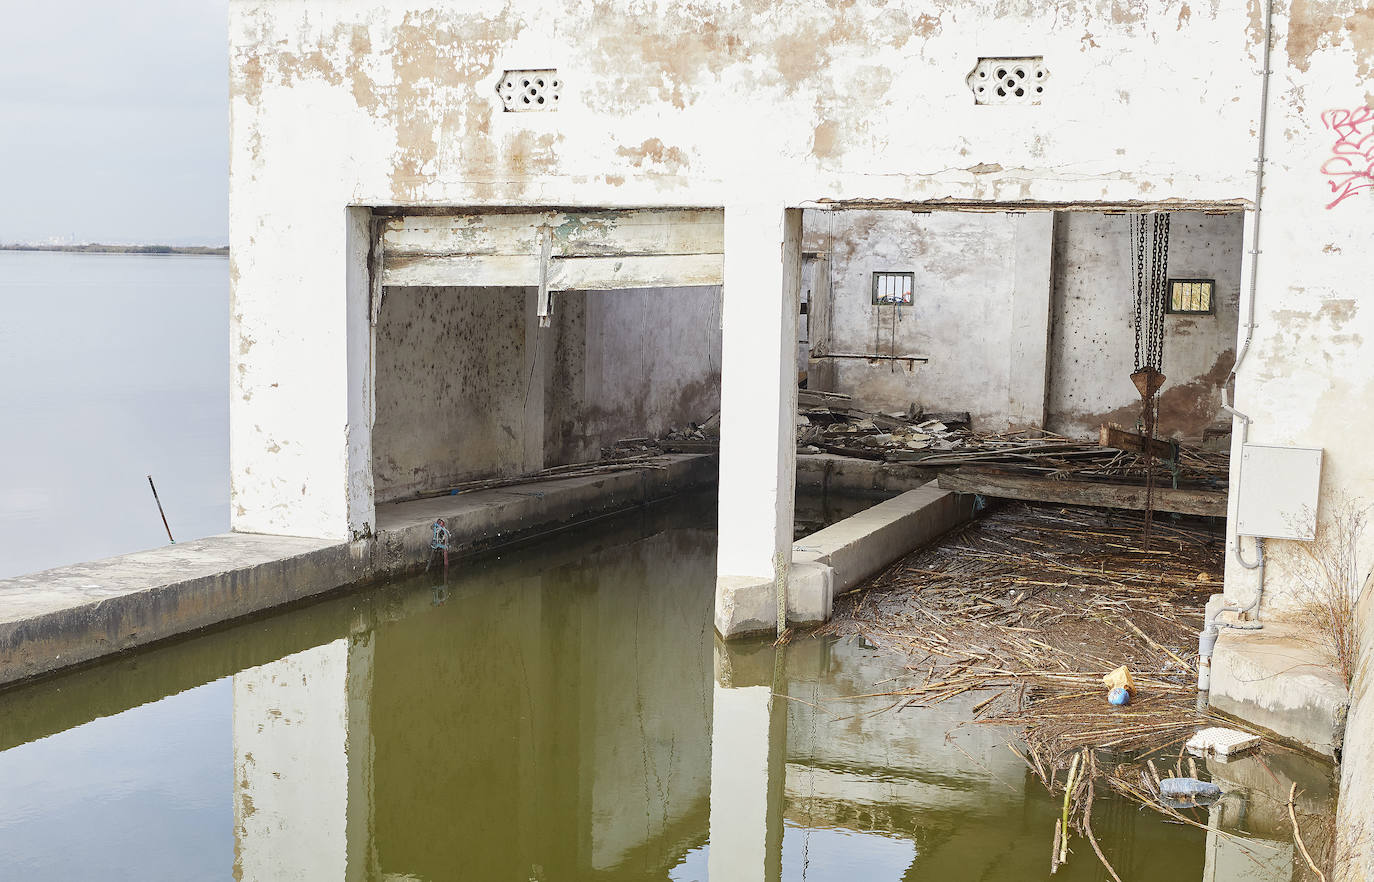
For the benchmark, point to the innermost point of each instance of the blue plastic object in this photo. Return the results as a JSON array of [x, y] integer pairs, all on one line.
[[1187, 792], [1119, 696]]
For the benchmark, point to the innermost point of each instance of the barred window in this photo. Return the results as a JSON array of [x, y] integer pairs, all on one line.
[[890, 288], [1191, 296]]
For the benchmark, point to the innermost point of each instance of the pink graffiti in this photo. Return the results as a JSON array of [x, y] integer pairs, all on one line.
[[1350, 168]]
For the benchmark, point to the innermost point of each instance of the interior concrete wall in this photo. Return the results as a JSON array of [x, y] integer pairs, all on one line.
[[987, 283], [450, 388], [1092, 351], [632, 363], [966, 277], [468, 387]]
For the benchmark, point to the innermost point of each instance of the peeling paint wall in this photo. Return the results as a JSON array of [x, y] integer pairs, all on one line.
[[757, 106], [360, 102], [1093, 336]]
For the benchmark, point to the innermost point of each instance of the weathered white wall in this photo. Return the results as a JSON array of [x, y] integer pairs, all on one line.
[[1308, 378], [360, 102], [469, 387], [761, 106], [1093, 335]]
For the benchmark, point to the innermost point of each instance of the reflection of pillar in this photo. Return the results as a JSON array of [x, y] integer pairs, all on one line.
[[748, 762], [1235, 859], [298, 764]]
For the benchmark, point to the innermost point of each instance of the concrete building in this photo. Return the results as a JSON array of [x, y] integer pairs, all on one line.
[[416, 190]]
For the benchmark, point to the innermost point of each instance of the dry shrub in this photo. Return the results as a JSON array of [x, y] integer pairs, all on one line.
[[1331, 577]]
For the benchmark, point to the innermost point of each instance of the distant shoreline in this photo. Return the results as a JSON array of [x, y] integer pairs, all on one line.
[[124, 249]]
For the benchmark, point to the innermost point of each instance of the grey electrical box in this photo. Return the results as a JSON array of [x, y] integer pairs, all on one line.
[[1278, 492]]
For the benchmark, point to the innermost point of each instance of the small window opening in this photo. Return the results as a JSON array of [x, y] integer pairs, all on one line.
[[1192, 296], [893, 288]]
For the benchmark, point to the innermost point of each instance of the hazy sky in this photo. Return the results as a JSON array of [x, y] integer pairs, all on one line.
[[114, 120]]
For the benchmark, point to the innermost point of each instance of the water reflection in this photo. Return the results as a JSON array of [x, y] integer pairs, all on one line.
[[566, 713]]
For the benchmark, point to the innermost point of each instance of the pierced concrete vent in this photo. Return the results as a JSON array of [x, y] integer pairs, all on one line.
[[1008, 80], [529, 90]]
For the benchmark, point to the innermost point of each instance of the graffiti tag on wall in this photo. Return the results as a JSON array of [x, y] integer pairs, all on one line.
[[1350, 167]]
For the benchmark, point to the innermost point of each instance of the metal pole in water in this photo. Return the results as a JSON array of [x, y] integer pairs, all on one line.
[[160, 511]]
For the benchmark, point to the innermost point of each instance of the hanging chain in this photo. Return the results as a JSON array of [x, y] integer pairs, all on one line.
[[1158, 285], [1137, 232]]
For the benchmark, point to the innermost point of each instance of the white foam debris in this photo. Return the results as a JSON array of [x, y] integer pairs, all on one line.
[[1222, 742]]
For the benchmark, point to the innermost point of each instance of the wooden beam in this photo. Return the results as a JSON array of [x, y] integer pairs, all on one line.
[[1119, 439], [1209, 503]]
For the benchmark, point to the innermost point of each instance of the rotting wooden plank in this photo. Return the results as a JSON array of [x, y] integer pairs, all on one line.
[[1209, 503], [1120, 439]]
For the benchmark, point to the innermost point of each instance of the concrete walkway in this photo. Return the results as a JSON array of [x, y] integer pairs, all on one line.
[[70, 615]]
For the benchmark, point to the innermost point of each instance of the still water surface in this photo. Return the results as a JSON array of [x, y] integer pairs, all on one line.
[[546, 714], [112, 366]]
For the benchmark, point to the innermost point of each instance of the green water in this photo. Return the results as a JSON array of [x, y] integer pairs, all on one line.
[[560, 712]]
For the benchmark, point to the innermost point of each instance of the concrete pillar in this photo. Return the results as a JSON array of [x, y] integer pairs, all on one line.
[[363, 295], [758, 406], [748, 767], [1032, 299]]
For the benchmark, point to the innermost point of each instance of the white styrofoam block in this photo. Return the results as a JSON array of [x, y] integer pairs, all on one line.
[[1278, 492], [1222, 742]]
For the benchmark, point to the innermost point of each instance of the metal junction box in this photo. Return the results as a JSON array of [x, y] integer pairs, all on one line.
[[1278, 492]]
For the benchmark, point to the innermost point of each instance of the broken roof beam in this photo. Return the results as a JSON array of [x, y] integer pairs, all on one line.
[[1207, 503]]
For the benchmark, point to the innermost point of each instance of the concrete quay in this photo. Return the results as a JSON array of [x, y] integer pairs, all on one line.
[[71, 615]]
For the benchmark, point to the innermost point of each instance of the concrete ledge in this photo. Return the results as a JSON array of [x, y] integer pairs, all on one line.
[[1279, 680], [836, 559], [860, 546], [72, 615]]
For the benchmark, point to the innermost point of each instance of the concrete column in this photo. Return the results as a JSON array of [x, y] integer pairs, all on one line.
[[1032, 299], [364, 301], [758, 406], [748, 767]]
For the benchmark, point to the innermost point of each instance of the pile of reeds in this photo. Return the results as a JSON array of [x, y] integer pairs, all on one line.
[[1032, 605]]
